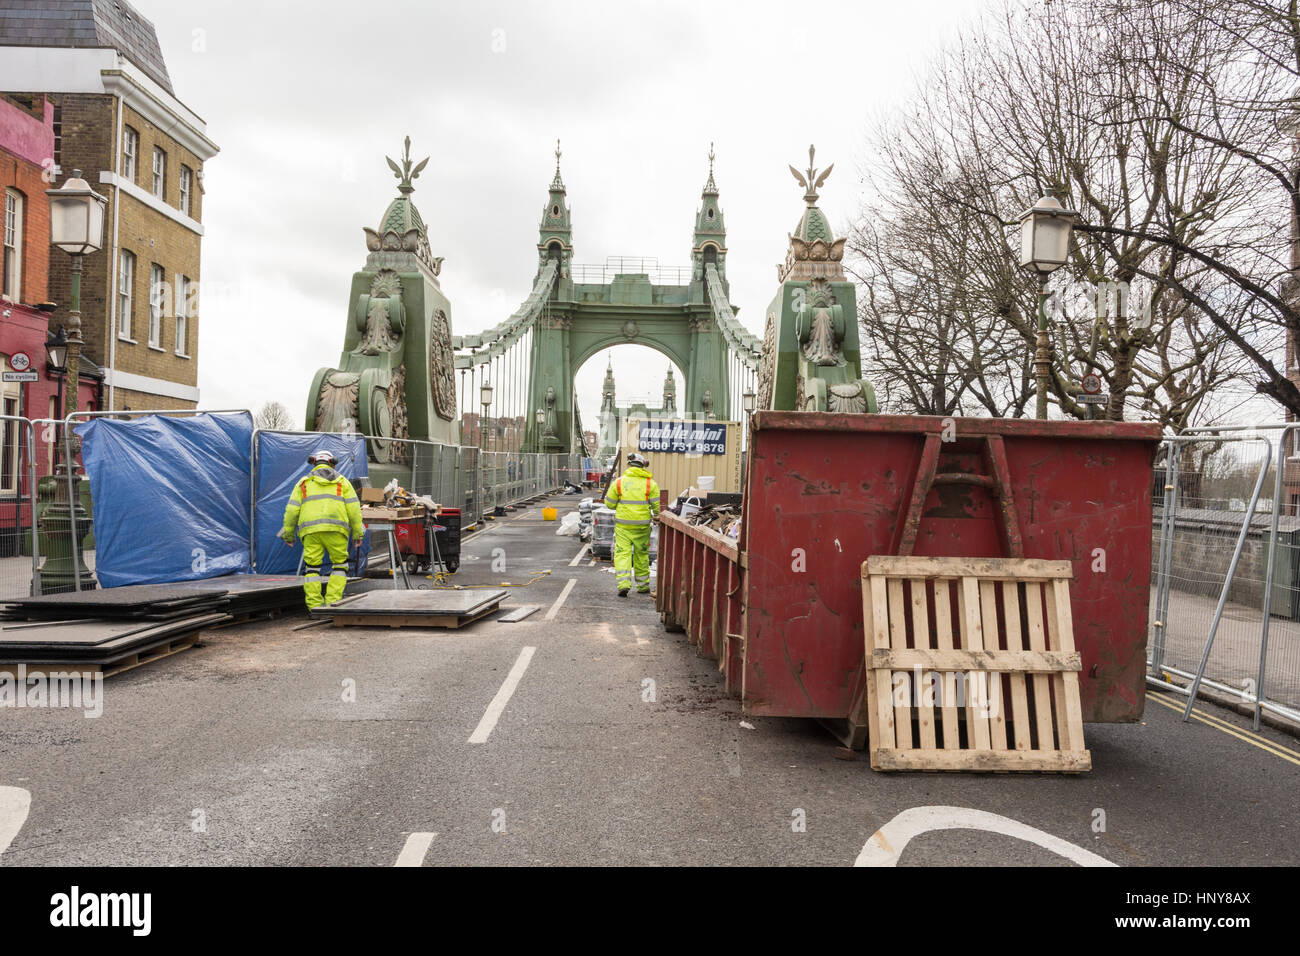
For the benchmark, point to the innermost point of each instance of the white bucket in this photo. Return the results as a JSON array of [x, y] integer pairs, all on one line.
[[704, 482], [689, 507]]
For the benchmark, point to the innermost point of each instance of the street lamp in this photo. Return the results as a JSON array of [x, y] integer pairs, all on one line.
[[76, 227], [56, 362], [1045, 245], [484, 399]]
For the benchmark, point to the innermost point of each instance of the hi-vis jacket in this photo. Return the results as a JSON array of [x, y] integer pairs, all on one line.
[[323, 501], [634, 496]]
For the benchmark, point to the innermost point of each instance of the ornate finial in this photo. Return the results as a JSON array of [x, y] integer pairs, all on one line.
[[405, 173], [557, 182], [813, 181], [710, 186]]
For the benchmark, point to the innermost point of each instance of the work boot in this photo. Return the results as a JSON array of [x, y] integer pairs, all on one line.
[[622, 592]]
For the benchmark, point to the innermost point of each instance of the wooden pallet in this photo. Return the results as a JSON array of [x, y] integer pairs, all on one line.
[[948, 642], [404, 513]]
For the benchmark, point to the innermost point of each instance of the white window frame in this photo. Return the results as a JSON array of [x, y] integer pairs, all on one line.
[[186, 188], [182, 316], [130, 153], [12, 238], [125, 287], [9, 438], [157, 297], [159, 187]]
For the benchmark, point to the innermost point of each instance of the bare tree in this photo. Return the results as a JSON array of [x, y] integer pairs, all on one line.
[[275, 417], [1049, 99]]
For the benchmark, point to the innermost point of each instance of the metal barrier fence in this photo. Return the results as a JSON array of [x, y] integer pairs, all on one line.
[[1226, 569], [453, 475]]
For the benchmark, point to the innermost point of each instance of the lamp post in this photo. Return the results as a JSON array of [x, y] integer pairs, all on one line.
[[56, 362], [484, 399], [76, 227], [1045, 245]]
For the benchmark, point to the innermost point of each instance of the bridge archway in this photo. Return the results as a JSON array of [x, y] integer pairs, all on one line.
[[575, 311], [624, 381]]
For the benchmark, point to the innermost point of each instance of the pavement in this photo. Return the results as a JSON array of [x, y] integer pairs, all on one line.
[[585, 734]]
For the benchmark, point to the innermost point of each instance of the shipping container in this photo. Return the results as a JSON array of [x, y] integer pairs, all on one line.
[[682, 450], [781, 608]]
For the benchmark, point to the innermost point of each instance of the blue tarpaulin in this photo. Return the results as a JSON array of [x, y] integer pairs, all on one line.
[[171, 496], [281, 462]]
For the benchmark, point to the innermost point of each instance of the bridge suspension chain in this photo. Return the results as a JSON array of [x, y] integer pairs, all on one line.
[[744, 345]]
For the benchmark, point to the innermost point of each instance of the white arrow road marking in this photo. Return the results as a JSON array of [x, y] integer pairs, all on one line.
[[417, 845], [493, 712], [886, 844], [14, 804]]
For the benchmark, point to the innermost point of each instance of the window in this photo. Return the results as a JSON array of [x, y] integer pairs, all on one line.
[[125, 280], [58, 135], [184, 309], [9, 448], [157, 296], [11, 283], [130, 151], [187, 176], [49, 431], [159, 173]]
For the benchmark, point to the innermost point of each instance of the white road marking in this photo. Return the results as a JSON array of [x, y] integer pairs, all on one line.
[[886, 844], [493, 712], [14, 804], [578, 557], [559, 601], [417, 845], [593, 561]]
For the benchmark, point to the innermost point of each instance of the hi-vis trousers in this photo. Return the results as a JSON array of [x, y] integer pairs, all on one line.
[[632, 551], [314, 548]]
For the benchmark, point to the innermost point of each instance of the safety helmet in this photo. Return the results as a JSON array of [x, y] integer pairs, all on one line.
[[637, 461], [322, 458]]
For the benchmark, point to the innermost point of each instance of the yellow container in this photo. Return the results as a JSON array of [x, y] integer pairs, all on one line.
[[549, 514]]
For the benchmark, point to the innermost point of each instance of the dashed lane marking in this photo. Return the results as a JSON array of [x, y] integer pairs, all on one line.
[[578, 557], [559, 601], [417, 845], [1263, 743], [494, 710]]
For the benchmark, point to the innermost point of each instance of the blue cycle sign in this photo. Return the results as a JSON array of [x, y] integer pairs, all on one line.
[[683, 438]]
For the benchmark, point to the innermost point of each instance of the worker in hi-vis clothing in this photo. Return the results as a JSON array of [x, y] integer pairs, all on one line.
[[634, 498], [323, 510]]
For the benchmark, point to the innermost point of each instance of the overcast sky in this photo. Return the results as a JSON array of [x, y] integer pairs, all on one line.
[[306, 99]]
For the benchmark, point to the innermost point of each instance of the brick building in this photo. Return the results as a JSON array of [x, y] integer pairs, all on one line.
[[26, 144], [116, 118]]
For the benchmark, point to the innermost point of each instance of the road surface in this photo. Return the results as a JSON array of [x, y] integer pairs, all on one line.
[[584, 735]]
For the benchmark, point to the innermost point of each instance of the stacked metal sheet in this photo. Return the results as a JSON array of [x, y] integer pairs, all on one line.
[[432, 607], [115, 627]]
